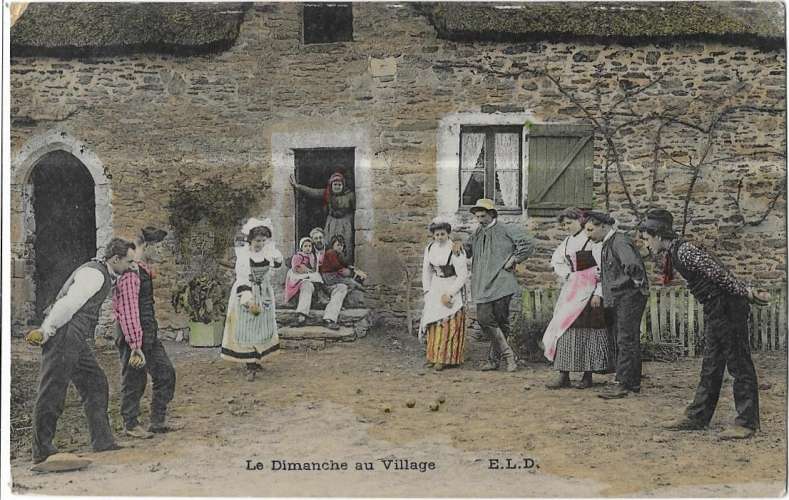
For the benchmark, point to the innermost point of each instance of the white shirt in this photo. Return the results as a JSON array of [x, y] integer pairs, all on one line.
[[437, 254], [243, 269], [87, 282], [570, 246]]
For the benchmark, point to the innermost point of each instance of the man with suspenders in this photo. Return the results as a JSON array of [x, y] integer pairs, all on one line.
[[66, 339]]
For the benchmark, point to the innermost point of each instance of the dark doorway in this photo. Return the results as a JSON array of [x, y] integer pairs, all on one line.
[[313, 168], [64, 205]]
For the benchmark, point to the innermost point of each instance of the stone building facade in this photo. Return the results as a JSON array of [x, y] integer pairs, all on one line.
[[414, 79]]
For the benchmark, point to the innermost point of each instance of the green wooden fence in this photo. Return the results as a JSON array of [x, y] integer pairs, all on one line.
[[673, 316]]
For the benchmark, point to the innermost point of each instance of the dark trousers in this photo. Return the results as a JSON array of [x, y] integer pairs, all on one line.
[[493, 316], [65, 358], [133, 381], [727, 345], [624, 324]]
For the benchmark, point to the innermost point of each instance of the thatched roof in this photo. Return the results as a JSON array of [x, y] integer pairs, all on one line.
[[98, 29], [747, 23]]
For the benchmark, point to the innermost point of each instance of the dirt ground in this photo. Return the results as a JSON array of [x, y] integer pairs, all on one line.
[[331, 404]]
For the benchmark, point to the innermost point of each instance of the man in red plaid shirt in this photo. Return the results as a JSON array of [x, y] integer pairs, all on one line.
[[140, 349]]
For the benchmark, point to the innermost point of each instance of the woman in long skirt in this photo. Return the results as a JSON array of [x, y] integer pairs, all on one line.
[[251, 324], [576, 339], [443, 324]]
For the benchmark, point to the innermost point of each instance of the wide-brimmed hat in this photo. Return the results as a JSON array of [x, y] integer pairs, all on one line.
[[659, 221], [151, 234], [484, 204]]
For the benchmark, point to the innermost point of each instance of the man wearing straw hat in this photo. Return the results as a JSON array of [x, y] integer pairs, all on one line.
[[495, 248], [726, 340]]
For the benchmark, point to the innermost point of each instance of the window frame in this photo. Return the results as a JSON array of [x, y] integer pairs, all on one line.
[[490, 132]]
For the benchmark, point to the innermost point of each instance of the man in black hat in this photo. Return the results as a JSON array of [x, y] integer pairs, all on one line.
[[140, 349], [726, 311], [625, 291]]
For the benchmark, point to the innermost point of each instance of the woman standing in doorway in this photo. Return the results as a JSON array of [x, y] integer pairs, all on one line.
[[443, 318], [576, 339], [251, 325], [340, 203]]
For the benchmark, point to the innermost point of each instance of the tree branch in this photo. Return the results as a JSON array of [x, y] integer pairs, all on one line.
[[628, 95], [763, 217]]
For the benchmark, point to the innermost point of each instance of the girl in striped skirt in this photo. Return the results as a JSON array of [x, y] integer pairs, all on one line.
[[443, 324], [251, 325]]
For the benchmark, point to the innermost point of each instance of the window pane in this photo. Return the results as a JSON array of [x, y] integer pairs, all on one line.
[[327, 23], [474, 188], [507, 165], [472, 169]]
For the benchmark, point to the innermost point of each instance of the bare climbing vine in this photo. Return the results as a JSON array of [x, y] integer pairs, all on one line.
[[614, 114]]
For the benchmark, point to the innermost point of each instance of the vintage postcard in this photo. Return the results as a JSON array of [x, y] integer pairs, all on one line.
[[394, 249]]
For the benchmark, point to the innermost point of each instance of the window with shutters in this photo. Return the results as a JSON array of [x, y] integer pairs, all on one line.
[[490, 165], [561, 158], [327, 22]]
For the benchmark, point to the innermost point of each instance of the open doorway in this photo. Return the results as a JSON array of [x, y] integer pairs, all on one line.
[[64, 207], [313, 167]]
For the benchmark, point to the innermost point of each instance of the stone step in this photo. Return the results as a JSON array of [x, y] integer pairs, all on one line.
[[314, 338], [353, 321], [316, 333], [316, 315]]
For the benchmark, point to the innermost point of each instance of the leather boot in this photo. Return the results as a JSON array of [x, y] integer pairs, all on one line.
[[736, 432], [492, 364], [506, 351]]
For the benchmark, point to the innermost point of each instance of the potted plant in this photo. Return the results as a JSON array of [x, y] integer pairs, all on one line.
[[202, 299], [205, 216]]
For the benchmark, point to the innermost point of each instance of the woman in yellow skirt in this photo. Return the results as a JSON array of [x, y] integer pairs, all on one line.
[[444, 275]]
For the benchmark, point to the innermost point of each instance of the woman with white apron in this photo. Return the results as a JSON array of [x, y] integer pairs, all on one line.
[[443, 324]]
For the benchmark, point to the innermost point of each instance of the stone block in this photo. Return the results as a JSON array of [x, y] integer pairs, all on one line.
[[316, 333], [302, 345], [386, 67]]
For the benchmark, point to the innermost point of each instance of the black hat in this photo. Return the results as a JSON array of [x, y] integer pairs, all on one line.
[[151, 234], [600, 217], [660, 222]]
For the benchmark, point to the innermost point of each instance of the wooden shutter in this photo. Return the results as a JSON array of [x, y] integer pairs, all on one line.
[[560, 168]]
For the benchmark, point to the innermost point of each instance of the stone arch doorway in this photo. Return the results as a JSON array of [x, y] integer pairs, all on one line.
[[64, 208], [36, 162]]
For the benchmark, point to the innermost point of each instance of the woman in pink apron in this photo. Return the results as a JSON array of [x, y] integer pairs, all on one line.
[[576, 339]]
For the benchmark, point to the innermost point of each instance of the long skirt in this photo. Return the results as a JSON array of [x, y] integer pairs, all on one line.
[[446, 339], [582, 349], [342, 226], [248, 337]]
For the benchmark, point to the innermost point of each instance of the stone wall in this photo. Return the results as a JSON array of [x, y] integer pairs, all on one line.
[[152, 119]]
